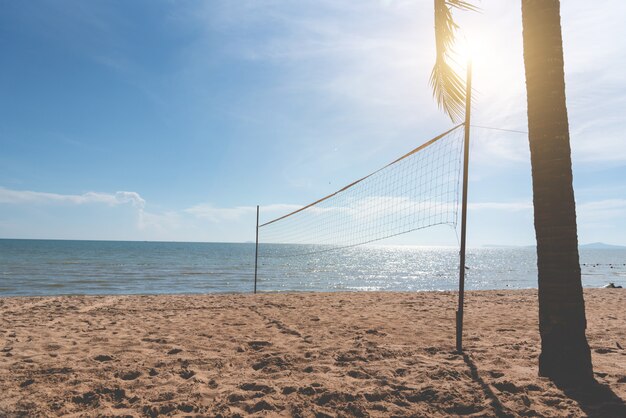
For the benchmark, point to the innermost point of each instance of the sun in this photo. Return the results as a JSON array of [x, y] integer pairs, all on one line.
[[486, 50], [466, 51]]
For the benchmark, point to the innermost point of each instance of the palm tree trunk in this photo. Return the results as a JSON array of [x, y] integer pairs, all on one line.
[[565, 354]]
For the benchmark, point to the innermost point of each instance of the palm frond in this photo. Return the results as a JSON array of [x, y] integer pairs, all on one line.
[[448, 87], [448, 90], [462, 5]]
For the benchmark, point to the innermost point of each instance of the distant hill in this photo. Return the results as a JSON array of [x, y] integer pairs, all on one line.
[[602, 246]]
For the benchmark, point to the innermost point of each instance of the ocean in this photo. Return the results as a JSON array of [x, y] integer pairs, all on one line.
[[51, 267]]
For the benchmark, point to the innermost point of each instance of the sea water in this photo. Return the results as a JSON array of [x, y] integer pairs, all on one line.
[[50, 267]]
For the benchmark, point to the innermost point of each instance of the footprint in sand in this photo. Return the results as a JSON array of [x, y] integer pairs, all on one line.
[[271, 363], [187, 374], [358, 374], [154, 340], [128, 375], [506, 387], [401, 372], [307, 390], [287, 390], [258, 345], [236, 397], [154, 411], [255, 387], [26, 383], [375, 332], [262, 405]]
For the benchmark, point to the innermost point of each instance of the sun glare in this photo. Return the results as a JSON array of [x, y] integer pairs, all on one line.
[[466, 51]]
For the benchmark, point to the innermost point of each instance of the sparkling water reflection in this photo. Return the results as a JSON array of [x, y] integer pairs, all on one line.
[[42, 267]]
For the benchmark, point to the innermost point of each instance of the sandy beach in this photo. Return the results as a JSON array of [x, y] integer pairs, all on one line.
[[297, 354]]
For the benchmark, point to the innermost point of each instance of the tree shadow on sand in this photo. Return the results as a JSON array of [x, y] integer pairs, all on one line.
[[595, 399]]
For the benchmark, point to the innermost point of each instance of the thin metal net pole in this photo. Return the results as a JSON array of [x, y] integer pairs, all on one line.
[[459, 312], [256, 252]]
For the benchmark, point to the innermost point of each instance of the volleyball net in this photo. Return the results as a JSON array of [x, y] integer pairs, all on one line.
[[418, 190]]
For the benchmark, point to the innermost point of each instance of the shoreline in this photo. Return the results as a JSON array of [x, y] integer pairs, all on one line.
[[283, 292], [295, 354], [264, 292]]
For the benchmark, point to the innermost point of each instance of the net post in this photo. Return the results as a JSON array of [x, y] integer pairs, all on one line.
[[459, 312], [256, 251]]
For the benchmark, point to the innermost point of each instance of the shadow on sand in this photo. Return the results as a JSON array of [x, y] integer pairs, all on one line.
[[595, 399], [499, 409]]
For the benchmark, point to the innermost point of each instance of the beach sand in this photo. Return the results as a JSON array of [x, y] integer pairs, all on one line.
[[297, 354]]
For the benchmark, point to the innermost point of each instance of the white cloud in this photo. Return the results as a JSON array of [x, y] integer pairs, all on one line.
[[206, 222], [590, 210], [604, 145], [168, 224], [365, 65], [8, 196], [602, 210], [132, 197], [216, 214]]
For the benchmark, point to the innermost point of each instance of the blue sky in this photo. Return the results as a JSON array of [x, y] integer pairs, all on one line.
[[163, 120]]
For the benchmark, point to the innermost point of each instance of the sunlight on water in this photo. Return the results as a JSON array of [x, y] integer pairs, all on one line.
[[40, 267]]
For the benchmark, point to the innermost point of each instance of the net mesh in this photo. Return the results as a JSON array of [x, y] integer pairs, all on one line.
[[416, 191]]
